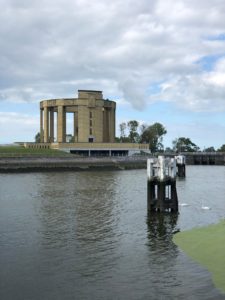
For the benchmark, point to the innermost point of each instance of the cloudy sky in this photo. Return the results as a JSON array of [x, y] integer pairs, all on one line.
[[162, 61]]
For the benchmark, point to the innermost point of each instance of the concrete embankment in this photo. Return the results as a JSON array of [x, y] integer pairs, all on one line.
[[67, 163], [40, 164]]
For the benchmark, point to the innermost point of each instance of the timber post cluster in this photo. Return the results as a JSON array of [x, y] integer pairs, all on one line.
[[161, 192], [181, 162]]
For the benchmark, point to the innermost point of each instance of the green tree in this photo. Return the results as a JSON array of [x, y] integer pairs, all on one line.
[[123, 127], [37, 138], [143, 127], [209, 149], [222, 148], [153, 135], [133, 134], [169, 150], [72, 139], [183, 144]]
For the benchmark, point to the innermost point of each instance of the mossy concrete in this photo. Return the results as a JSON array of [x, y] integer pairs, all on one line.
[[207, 246]]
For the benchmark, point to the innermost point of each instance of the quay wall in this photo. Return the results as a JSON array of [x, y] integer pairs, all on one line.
[[32, 164], [204, 158], [29, 164]]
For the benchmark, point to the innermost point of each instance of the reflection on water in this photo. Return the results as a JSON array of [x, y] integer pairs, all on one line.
[[88, 236], [174, 275], [161, 228], [81, 205], [163, 253]]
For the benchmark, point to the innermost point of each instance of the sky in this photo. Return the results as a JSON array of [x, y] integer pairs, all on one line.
[[161, 61]]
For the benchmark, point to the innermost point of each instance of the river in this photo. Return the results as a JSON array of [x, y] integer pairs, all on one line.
[[87, 235]]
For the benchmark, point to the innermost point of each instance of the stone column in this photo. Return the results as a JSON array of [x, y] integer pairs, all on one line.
[[64, 124], [46, 125], [113, 124], [110, 125], [41, 126], [75, 128], [111, 121], [52, 125], [105, 125], [60, 124]]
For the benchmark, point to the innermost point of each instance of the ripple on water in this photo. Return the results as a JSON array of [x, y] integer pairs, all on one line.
[[88, 236]]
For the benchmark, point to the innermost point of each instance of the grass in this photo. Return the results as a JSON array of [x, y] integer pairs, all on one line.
[[20, 151], [207, 246]]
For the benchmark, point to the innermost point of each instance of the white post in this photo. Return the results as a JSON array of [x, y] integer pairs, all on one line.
[[150, 168], [173, 168], [162, 170], [180, 159]]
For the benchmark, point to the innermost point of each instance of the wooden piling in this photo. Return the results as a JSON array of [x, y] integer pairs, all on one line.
[[181, 165], [161, 185]]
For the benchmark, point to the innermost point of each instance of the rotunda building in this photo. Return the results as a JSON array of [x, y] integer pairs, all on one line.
[[93, 118]]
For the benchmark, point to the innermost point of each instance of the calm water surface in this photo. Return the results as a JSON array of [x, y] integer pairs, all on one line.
[[87, 235]]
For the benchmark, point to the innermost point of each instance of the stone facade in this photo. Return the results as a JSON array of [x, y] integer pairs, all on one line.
[[94, 118]]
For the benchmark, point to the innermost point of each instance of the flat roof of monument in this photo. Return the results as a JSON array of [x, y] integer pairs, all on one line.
[[90, 91]]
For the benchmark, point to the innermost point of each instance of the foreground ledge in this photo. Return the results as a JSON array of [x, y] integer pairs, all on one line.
[[206, 246]]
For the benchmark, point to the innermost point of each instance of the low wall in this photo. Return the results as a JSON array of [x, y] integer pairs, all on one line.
[[204, 158], [87, 146], [29, 164]]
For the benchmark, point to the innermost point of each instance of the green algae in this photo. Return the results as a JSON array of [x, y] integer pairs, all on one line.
[[206, 246]]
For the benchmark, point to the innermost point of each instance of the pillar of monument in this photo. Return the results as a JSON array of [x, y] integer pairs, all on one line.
[[46, 125], [105, 125], [108, 126], [111, 125], [41, 126], [75, 126], [61, 124], [64, 124], [114, 122], [51, 115]]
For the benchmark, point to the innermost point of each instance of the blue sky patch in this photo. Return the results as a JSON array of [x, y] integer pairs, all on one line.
[[219, 37], [207, 63]]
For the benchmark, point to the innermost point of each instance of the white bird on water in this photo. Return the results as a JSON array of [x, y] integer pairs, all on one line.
[[205, 207], [183, 204]]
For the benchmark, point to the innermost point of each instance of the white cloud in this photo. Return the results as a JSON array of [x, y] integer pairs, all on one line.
[[52, 48], [17, 127], [197, 92]]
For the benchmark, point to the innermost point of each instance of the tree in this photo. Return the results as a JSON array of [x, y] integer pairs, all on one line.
[[169, 150], [153, 135], [133, 134], [122, 127], [183, 144], [209, 149], [222, 148], [143, 127], [72, 139], [37, 138]]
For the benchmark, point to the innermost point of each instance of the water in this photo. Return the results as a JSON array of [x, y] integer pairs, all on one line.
[[87, 235]]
